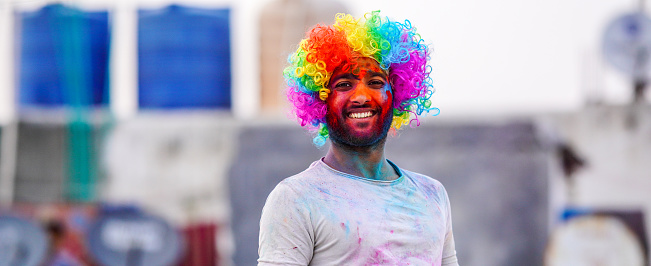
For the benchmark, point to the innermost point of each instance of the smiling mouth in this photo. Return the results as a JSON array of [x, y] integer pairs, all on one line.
[[360, 115]]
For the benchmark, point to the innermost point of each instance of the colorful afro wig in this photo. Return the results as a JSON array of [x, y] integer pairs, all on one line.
[[397, 48]]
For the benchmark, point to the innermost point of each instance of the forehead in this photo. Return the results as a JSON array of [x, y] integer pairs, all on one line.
[[358, 65]]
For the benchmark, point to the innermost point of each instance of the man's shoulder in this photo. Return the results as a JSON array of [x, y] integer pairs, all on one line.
[[302, 186], [430, 187], [421, 178], [429, 184], [305, 179]]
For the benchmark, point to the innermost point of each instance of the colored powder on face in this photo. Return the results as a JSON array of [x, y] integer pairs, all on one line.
[[386, 90], [345, 131]]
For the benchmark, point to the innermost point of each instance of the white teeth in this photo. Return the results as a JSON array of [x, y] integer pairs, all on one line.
[[360, 115]]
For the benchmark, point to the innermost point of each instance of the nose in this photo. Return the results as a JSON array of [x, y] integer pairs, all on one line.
[[361, 94]]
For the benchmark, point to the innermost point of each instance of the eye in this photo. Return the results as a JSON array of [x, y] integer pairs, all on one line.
[[376, 83], [343, 84]]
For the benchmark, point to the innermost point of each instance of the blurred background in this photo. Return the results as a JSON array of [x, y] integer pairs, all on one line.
[[150, 132]]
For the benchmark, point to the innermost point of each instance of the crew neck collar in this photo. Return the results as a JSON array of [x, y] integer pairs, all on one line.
[[395, 168]]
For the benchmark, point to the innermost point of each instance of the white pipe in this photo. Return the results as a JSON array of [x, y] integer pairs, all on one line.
[[124, 60], [9, 138], [245, 61], [7, 99]]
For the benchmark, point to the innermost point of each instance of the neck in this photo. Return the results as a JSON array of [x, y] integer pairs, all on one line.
[[367, 161]]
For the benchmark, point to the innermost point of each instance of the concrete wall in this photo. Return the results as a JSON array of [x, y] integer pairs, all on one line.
[[496, 176]]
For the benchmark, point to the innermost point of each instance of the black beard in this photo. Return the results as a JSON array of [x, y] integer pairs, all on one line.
[[338, 134]]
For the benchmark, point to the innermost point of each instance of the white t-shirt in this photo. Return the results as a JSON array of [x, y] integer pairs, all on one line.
[[325, 217]]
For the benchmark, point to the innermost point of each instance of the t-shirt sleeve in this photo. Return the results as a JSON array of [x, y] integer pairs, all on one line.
[[449, 251], [286, 236]]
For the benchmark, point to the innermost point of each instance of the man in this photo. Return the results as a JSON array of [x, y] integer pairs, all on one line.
[[353, 82]]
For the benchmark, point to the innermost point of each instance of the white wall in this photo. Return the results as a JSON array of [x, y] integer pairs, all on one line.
[[617, 174], [490, 57], [509, 56]]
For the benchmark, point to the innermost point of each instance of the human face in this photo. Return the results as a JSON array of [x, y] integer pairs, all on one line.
[[359, 105]]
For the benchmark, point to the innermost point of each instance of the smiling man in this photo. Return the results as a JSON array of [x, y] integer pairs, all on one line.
[[354, 82]]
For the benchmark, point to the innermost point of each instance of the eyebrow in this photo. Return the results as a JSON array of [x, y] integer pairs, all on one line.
[[378, 74], [345, 76], [353, 76]]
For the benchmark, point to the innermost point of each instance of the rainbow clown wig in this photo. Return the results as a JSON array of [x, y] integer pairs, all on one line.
[[397, 48]]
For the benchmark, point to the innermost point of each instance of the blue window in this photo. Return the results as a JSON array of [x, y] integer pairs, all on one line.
[[184, 58], [63, 57]]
